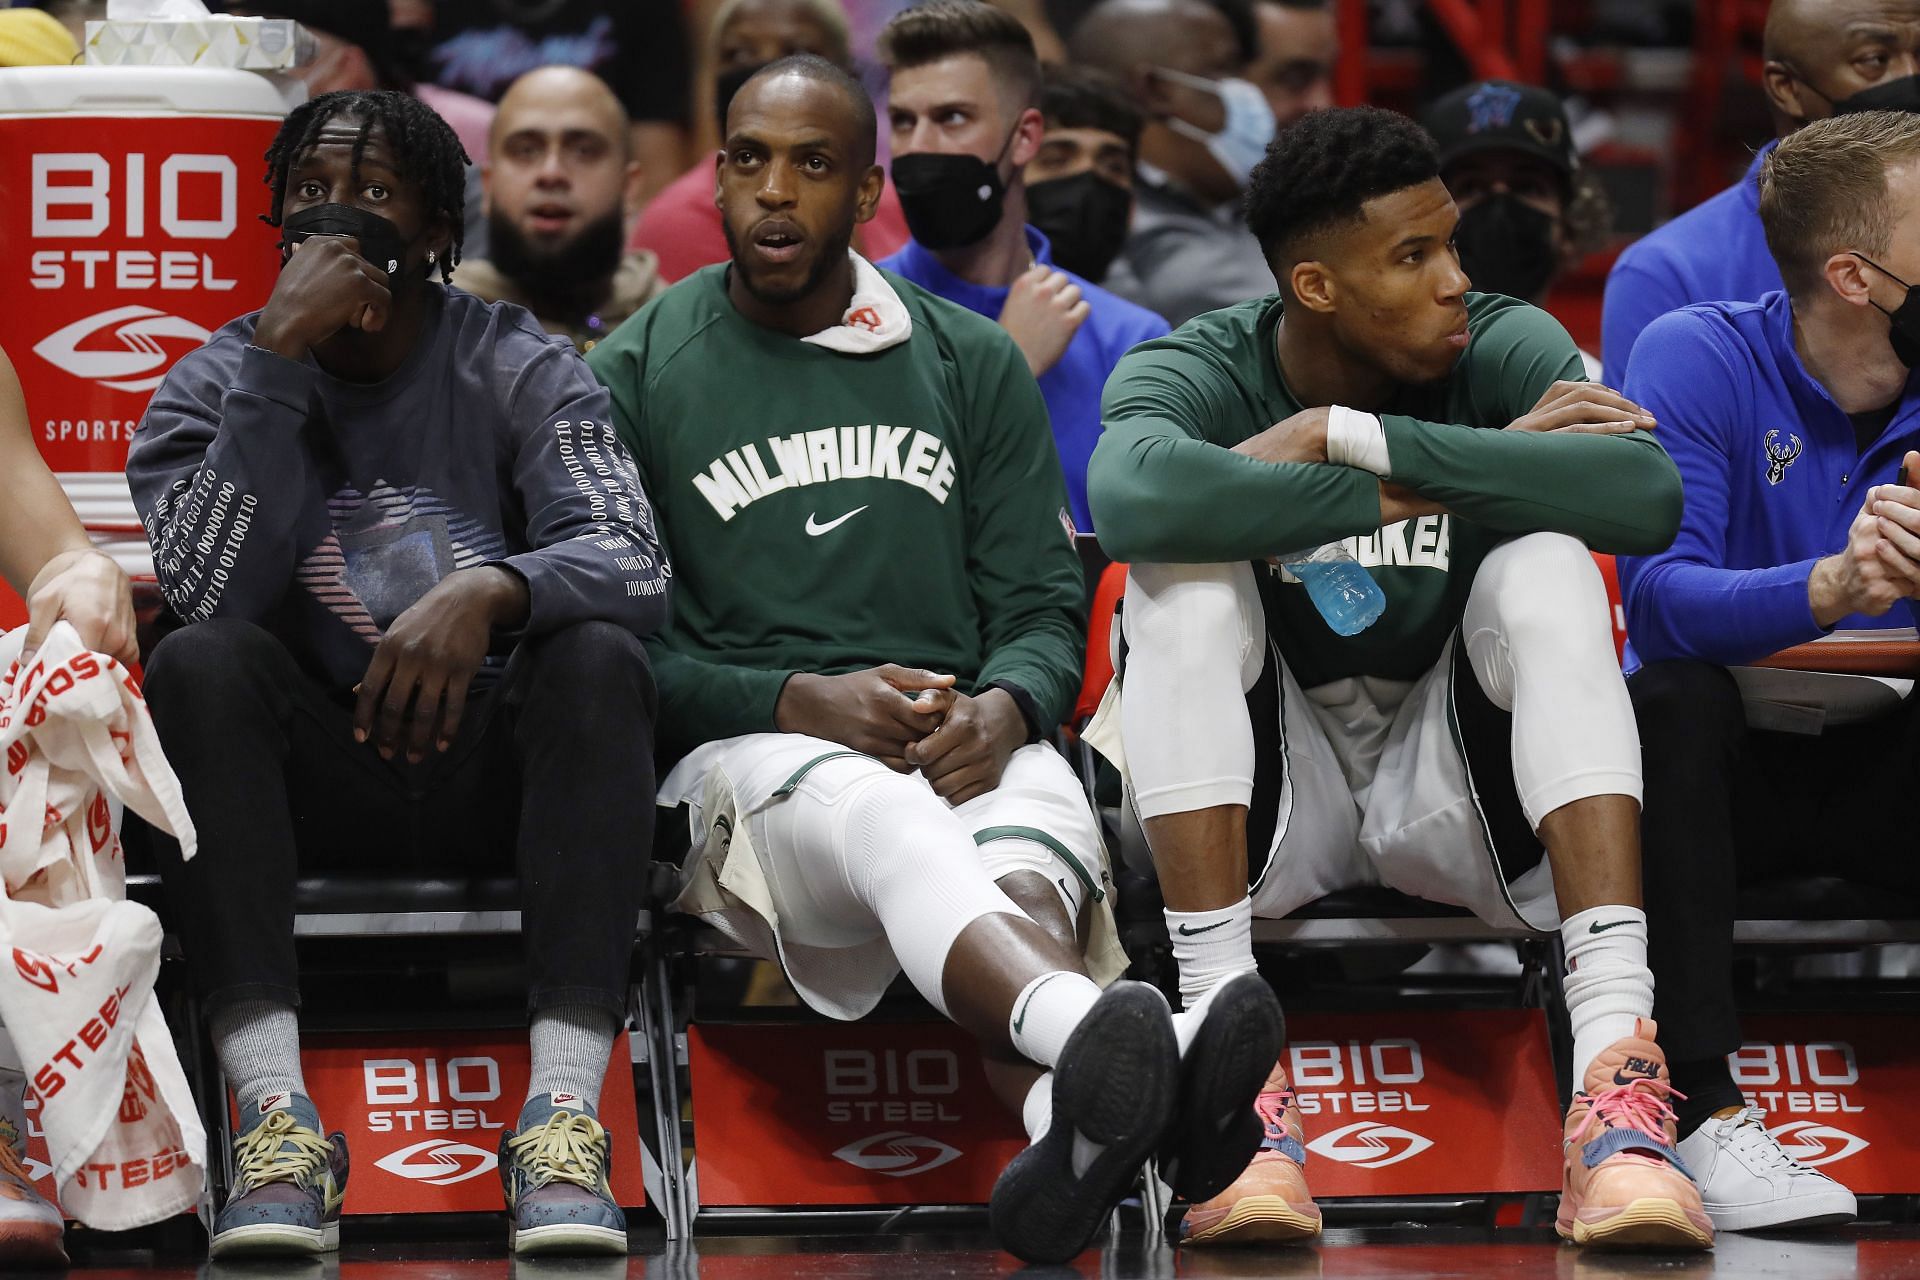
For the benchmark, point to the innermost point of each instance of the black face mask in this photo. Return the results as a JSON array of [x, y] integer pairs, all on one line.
[[1084, 218], [380, 241], [950, 201], [1904, 335], [1507, 246], [1902, 94]]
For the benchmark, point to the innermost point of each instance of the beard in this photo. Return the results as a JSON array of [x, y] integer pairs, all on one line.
[[833, 252], [588, 257]]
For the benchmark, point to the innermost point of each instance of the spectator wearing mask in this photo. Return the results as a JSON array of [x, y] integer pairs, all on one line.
[[1823, 58], [1795, 422], [1528, 212], [964, 117], [1296, 44], [413, 560], [1080, 182], [682, 226], [561, 189], [639, 47], [1190, 250], [356, 49]]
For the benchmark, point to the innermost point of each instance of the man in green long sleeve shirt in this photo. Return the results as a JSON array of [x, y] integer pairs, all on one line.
[[1440, 436], [877, 620]]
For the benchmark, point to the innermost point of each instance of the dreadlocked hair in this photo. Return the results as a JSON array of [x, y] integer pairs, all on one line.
[[425, 149]]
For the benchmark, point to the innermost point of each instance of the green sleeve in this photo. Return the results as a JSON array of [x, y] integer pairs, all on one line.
[[1618, 494], [702, 701], [1026, 578], [1165, 487]]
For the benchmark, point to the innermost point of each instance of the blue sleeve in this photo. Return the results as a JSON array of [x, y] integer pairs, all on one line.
[[595, 555], [1685, 602], [221, 473], [1641, 288]]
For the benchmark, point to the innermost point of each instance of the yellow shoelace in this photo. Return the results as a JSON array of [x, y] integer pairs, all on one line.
[[567, 1148], [279, 1150]]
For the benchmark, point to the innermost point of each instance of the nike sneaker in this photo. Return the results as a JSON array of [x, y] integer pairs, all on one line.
[[1269, 1202], [289, 1182], [32, 1232], [1748, 1182], [1228, 1047], [553, 1165], [1113, 1097], [1624, 1182]]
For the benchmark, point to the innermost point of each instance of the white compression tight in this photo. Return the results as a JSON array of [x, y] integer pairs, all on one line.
[[861, 843], [1537, 636]]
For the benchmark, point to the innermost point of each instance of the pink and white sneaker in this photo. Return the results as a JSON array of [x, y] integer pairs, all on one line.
[[1624, 1184]]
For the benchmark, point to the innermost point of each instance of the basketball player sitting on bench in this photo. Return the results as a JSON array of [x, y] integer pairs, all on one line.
[[878, 618], [1439, 433]]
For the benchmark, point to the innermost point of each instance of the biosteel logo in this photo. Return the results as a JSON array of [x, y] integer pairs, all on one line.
[[897, 1154], [1370, 1145], [121, 349], [439, 1162]]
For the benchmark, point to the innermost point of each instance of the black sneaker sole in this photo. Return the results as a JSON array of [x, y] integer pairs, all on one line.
[[1215, 1131], [1114, 1084]]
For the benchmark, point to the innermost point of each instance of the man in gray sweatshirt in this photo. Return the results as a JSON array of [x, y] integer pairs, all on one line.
[[414, 563]]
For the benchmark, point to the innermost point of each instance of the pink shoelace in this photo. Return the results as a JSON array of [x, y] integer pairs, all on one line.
[[1632, 1107], [1271, 1106]]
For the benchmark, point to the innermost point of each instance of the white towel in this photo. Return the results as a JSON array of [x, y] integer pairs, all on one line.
[[875, 320], [77, 970]]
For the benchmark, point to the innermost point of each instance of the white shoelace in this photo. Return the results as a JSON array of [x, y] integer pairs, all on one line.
[[1746, 1132]]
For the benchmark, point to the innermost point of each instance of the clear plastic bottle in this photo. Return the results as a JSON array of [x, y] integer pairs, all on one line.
[[1340, 587]]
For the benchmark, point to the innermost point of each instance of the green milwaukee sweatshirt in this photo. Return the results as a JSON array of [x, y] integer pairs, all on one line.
[[1165, 488], [828, 512]]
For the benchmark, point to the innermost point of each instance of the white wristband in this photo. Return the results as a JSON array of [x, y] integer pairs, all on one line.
[[1356, 439]]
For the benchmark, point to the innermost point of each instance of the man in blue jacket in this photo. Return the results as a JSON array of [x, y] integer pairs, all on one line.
[[1795, 423], [965, 120], [1823, 58]]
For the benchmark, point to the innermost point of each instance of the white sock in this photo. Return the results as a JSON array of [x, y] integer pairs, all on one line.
[[1210, 947], [1608, 985], [1046, 1011], [1036, 1113], [258, 1042]]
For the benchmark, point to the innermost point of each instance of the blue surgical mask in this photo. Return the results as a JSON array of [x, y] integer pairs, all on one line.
[[1243, 140]]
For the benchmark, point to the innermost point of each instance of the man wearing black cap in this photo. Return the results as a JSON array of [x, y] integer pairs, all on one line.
[[1527, 211]]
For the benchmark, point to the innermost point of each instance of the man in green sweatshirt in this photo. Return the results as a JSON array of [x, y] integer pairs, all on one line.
[[878, 619], [1439, 435]]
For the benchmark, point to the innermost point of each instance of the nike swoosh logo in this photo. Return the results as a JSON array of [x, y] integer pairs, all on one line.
[[1626, 1080], [815, 530], [1187, 931], [1020, 1018], [1597, 927]]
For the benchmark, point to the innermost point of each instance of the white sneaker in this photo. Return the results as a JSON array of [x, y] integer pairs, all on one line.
[[1749, 1183]]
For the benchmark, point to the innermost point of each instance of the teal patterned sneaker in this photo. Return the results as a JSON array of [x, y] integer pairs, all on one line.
[[288, 1186], [553, 1166]]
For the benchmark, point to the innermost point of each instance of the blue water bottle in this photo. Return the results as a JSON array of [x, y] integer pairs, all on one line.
[[1340, 587]]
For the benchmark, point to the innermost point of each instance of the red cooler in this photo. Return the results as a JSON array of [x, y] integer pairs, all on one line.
[[129, 231]]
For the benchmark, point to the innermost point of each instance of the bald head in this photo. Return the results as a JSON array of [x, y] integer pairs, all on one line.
[[804, 84], [1120, 36], [550, 94], [1820, 52]]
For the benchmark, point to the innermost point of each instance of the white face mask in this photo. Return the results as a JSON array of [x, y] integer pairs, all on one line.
[[1243, 140]]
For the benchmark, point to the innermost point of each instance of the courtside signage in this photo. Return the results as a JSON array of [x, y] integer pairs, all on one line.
[[129, 240], [845, 1114], [1837, 1090], [1432, 1103], [424, 1114]]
